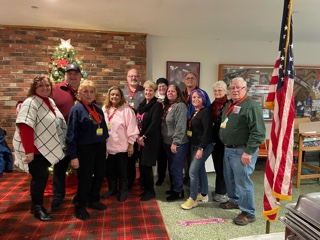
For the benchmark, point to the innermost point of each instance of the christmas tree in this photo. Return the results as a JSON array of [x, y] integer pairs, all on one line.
[[63, 55]]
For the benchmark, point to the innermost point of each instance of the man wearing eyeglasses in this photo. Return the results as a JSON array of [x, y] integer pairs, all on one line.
[[242, 130], [191, 82], [134, 94]]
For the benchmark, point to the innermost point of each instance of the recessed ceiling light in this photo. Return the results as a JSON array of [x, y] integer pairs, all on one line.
[[34, 7]]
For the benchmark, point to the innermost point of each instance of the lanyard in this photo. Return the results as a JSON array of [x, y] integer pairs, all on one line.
[[231, 106], [74, 92], [167, 111], [111, 116], [93, 112], [193, 116], [131, 95]]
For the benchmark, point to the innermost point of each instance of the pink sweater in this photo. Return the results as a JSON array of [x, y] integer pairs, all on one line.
[[123, 128]]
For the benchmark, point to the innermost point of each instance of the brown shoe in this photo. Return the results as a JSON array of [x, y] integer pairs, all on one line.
[[228, 205], [244, 218]]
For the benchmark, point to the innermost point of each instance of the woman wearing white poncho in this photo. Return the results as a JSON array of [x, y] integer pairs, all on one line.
[[39, 140]]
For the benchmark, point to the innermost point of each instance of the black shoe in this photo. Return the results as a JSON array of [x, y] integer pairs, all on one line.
[[40, 214], [55, 205], [109, 193], [97, 206], [175, 196], [122, 196], [43, 209], [82, 214], [170, 192], [159, 182], [148, 196]]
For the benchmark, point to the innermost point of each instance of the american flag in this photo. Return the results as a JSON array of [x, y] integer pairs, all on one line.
[[280, 165]]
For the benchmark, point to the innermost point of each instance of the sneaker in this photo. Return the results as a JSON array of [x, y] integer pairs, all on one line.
[[219, 197], [190, 203], [244, 218], [201, 198], [97, 206], [229, 205]]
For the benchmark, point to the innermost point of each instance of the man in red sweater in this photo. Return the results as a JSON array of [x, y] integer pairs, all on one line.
[[65, 96]]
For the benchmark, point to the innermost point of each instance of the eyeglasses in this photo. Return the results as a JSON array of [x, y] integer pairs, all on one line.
[[219, 90], [237, 88], [133, 76], [191, 78]]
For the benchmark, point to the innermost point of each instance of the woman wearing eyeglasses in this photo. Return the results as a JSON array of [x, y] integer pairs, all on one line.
[[220, 93]]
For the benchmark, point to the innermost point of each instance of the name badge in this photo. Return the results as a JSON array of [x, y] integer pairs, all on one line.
[[236, 109], [189, 133], [99, 131], [131, 104], [108, 126], [224, 123]]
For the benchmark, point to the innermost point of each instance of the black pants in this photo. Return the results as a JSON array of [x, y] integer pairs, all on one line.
[[217, 157], [59, 179], [91, 171], [162, 163], [146, 177], [132, 166], [39, 170], [117, 168]]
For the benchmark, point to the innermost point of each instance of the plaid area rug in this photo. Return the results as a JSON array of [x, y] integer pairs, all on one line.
[[129, 220]]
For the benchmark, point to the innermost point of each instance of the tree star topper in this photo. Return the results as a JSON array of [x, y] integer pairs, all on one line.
[[65, 44]]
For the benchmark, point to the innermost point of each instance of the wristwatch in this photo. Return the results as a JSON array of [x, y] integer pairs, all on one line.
[[200, 148], [144, 137]]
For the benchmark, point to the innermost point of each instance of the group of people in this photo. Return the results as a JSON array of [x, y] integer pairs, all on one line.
[[154, 124]]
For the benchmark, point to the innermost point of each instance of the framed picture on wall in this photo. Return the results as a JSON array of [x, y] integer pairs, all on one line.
[[177, 70], [306, 88]]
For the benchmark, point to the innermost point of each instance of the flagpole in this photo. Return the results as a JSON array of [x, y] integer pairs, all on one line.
[[279, 166], [267, 227], [288, 33]]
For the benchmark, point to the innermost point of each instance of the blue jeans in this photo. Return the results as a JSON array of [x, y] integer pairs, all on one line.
[[176, 164], [240, 188], [197, 171]]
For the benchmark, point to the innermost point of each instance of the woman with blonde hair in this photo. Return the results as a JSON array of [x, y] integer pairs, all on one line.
[[123, 132], [149, 115], [86, 144]]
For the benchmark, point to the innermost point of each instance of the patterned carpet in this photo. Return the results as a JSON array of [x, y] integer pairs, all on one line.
[[125, 221]]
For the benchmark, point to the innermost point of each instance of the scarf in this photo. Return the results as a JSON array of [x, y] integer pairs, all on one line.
[[145, 107], [217, 106]]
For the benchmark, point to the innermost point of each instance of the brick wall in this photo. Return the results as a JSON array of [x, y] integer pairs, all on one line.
[[25, 52]]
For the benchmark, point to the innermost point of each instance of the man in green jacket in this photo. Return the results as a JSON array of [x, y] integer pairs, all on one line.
[[242, 130]]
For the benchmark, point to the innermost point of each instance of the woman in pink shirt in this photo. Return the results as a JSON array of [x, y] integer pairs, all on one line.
[[123, 132]]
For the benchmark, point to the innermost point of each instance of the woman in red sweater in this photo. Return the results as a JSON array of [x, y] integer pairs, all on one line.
[[39, 140]]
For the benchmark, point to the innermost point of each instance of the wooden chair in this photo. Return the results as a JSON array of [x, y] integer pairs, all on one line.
[[307, 130]]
